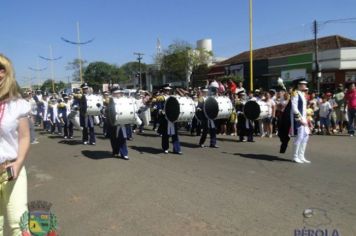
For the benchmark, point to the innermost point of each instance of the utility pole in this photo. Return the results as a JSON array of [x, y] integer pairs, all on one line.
[[51, 61], [79, 55], [251, 48], [317, 73], [79, 43], [38, 70], [139, 58], [52, 70]]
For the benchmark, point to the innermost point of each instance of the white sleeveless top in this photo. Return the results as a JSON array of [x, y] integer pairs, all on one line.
[[14, 110]]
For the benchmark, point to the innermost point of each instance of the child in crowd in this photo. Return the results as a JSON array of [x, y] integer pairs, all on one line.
[[325, 110]]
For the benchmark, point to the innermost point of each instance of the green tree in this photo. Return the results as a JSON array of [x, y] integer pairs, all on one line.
[[131, 69], [75, 67], [180, 60], [98, 73], [48, 86]]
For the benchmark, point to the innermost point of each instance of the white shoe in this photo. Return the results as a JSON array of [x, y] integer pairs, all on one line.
[[166, 151], [302, 153], [126, 157], [297, 160]]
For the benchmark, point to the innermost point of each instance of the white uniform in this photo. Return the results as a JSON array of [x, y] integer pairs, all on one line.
[[299, 109]]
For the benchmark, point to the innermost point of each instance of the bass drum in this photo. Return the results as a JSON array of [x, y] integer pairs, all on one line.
[[74, 118], [218, 108], [122, 111], [179, 109], [144, 113], [94, 104], [256, 110]]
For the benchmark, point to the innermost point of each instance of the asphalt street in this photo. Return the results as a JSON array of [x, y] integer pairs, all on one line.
[[237, 189]]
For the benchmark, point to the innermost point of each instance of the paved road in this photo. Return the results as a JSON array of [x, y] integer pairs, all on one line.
[[238, 189]]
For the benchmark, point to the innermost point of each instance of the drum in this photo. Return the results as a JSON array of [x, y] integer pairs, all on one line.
[[122, 111], [73, 116], [144, 113], [94, 104], [218, 107], [96, 120], [256, 110], [179, 109]]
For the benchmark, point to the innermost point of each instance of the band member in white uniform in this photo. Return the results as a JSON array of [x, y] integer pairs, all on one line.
[[299, 121]]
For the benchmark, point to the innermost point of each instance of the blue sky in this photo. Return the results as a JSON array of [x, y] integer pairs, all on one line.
[[123, 27]]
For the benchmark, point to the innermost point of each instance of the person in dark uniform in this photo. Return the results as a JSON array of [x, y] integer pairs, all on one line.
[[245, 126], [117, 133], [86, 121], [106, 100], [208, 126], [167, 128], [196, 122]]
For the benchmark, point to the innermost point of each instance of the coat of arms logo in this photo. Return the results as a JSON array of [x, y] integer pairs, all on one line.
[[39, 220]]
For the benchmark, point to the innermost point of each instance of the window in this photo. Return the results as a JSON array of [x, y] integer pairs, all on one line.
[[350, 76], [327, 78]]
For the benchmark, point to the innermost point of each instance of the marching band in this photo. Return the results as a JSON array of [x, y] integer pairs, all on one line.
[[120, 112]]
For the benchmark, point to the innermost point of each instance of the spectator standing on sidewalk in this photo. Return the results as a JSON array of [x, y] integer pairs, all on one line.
[[350, 99], [339, 98], [14, 146]]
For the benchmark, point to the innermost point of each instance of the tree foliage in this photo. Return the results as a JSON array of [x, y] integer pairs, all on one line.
[[75, 67], [58, 86], [98, 73], [133, 68], [181, 59]]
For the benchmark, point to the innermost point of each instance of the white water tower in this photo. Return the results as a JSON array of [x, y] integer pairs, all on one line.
[[206, 44]]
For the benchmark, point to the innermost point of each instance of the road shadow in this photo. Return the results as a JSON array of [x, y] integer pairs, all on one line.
[[150, 150], [55, 137], [187, 134], [148, 135], [189, 145], [97, 155], [232, 139], [71, 142], [43, 132], [262, 157]]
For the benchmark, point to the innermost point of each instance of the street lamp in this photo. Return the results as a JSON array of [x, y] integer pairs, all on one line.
[[51, 60], [78, 43]]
